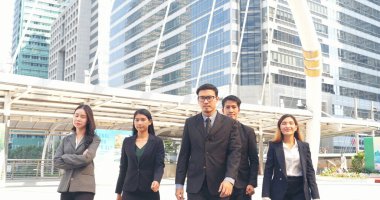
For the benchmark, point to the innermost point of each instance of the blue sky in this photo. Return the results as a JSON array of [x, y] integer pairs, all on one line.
[[6, 20]]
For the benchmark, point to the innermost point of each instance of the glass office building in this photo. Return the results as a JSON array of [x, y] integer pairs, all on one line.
[[348, 31], [31, 36], [177, 54], [160, 46]]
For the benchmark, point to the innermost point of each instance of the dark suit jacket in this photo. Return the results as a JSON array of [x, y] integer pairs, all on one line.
[[275, 178], [249, 163], [135, 175], [214, 156]]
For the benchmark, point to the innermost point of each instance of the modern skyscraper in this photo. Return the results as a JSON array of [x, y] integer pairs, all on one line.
[[80, 39], [348, 31], [31, 36], [99, 41], [160, 46], [70, 46]]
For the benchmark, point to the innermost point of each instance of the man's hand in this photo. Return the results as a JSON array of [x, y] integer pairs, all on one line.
[[225, 189], [179, 194], [155, 186], [118, 197], [250, 190]]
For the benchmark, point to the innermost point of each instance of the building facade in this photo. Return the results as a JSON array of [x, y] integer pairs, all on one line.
[[99, 42], [253, 52], [70, 42], [31, 36], [348, 33], [159, 47]]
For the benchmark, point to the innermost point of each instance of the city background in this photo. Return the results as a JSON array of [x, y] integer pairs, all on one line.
[[117, 54]]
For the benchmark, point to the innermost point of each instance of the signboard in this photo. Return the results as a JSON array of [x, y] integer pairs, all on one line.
[[108, 154], [372, 153], [111, 139]]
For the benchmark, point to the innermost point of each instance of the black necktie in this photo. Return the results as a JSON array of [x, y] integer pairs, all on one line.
[[208, 125]]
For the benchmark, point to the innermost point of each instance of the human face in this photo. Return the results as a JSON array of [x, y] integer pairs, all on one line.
[[141, 123], [231, 109], [80, 119], [288, 126], [207, 101]]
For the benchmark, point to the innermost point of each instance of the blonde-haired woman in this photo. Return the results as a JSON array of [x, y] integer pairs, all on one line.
[[289, 172]]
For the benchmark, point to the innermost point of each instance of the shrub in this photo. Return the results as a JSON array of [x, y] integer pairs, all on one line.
[[358, 163]]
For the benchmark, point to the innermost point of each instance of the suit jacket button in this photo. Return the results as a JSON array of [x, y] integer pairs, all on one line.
[[280, 179], [280, 169], [204, 167]]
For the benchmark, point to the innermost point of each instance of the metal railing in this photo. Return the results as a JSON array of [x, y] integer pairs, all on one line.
[[31, 168]]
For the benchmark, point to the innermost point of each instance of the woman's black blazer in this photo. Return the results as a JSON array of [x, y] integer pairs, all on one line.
[[135, 175], [275, 177]]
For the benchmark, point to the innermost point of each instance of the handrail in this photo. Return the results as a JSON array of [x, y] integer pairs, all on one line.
[[30, 168]]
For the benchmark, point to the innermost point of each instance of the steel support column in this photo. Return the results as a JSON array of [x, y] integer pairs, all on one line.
[[313, 70]]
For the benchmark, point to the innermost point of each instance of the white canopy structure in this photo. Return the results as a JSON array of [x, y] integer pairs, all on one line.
[[31, 103]]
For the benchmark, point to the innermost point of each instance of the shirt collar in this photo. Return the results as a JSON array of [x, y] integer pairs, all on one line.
[[212, 117], [295, 144]]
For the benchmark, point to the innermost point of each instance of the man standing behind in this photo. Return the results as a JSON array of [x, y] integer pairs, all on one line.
[[210, 151], [246, 181]]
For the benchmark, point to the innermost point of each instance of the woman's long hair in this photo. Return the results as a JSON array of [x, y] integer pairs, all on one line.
[[147, 114], [279, 136], [90, 125]]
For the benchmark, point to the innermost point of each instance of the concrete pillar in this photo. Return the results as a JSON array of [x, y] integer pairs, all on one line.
[[261, 151], [4, 139], [3, 144]]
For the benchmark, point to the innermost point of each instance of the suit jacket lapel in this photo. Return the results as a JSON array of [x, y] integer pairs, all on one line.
[[218, 123], [281, 157], [301, 150], [72, 141], [148, 148], [200, 125], [131, 146], [80, 143]]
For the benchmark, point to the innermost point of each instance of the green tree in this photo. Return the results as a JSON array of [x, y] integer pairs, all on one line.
[[26, 152], [358, 162]]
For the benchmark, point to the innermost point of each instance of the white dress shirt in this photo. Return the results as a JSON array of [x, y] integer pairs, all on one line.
[[292, 160]]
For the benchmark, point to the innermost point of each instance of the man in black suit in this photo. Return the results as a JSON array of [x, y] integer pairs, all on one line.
[[210, 151], [246, 181]]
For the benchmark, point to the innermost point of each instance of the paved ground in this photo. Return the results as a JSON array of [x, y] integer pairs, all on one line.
[[330, 189]]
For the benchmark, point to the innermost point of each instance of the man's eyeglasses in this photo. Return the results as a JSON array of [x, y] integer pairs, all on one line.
[[208, 98]]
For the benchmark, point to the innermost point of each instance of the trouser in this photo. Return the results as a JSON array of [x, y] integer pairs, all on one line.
[[139, 195], [295, 188], [239, 194], [204, 194], [77, 196]]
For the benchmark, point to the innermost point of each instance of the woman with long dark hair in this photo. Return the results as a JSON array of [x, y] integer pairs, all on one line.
[[75, 156], [141, 162], [289, 172]]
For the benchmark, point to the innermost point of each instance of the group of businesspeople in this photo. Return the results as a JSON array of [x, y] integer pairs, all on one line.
[[218, 157]]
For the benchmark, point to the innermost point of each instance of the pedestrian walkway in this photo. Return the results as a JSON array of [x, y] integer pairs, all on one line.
[[330, 189]]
